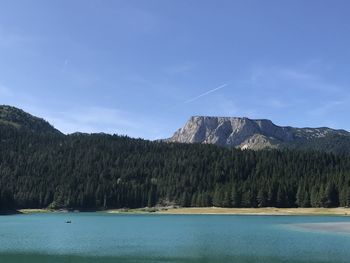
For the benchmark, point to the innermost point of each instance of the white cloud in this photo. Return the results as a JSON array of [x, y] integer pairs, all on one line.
[[327, 108], [305, 96], [107, 120], [297, 90], [283, 78]]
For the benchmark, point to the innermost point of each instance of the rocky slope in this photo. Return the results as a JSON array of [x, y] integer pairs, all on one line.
[[246, 133]]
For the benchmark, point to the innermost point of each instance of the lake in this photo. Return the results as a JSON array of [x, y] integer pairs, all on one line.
[[102, 237]]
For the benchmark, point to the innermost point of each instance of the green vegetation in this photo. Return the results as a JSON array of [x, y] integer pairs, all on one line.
[[39, 170], [11, 116], [333, 143]]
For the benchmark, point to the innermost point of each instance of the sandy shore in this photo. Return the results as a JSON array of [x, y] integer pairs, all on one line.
[[341, 211], [34, 211], [238, 211]]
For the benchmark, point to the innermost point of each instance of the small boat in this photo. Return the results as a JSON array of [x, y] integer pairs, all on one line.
[[68, 222]]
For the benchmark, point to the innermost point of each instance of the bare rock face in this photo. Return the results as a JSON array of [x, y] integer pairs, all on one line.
[[243, 133]]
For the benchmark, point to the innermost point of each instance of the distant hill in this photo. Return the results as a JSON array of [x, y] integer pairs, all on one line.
[[40, 167], [17, 118], [259, 134], [231, 132]]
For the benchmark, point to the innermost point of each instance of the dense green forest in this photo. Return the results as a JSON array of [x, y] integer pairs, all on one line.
[[83, 171]]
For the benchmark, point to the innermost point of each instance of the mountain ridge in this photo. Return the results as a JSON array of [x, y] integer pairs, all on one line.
[[246, 133], [17, 118], [231, 132]]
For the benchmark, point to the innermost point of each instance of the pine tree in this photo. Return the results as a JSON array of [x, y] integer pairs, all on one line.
[[262, 198], [281, 197], [300, 195], [236, 196], [331, 196]]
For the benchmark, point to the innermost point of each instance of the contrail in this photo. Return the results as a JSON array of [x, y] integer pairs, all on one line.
[[206, 93]]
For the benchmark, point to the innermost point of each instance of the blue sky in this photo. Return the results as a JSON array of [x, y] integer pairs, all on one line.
[[142, 68]]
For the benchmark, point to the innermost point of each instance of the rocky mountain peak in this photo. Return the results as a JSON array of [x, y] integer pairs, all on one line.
[[243, 132]]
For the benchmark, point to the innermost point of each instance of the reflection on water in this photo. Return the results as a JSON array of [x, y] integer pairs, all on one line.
[[334, 227], [100, 237]]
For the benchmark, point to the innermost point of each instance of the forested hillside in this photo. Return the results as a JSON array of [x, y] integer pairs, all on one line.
[[80, 171], [11, 116]]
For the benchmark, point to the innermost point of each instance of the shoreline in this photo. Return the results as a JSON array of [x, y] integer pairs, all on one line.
[[340, 211], [268, 211]]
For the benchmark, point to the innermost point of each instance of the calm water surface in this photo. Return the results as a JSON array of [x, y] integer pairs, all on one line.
[[101, 237]]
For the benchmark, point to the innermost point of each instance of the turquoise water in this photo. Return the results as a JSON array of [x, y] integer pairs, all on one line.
[[101, 237]]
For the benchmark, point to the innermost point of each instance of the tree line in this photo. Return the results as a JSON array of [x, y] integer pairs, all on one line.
[[95, 171]]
